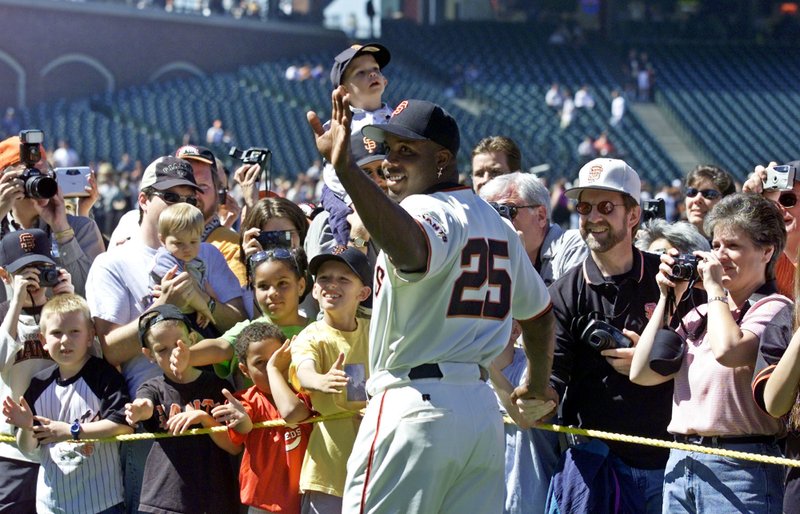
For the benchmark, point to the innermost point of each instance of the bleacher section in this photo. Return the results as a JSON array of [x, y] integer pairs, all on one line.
[[737, 103]]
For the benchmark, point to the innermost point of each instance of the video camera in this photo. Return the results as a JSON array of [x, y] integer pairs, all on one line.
[[35, 183]]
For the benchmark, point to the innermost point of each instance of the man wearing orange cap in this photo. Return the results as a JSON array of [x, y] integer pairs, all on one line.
[[76, 240]]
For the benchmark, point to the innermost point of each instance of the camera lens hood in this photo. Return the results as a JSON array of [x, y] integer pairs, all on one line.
[[667, 353]]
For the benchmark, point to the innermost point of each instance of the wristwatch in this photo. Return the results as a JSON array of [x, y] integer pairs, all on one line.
[[75, 430], [358, 242], [212, 304]]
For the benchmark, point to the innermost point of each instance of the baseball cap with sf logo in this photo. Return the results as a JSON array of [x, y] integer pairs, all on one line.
[[419, 120], [22, 248], [608, 175]]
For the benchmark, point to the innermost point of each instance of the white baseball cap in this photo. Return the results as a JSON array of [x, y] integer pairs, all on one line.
[[608, 175]]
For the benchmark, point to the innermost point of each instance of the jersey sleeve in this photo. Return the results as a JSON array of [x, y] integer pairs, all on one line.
[[530, 296]]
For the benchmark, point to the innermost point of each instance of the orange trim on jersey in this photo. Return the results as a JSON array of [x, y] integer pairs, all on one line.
[[761, 377], [540, 313], [371, 455]]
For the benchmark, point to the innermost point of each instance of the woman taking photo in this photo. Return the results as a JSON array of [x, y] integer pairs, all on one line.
[[712, 401]]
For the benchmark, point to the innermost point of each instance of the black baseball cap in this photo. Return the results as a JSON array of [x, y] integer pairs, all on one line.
[[419, 120], [155, 316], [24, 247], [366, 150], [166, 172], [353, 258], [342, 61]]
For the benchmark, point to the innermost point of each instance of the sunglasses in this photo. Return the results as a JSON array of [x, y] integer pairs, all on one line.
[[273, 254], [787, 200], [708, 194], [172, 198], [509, 210], [604, 207]]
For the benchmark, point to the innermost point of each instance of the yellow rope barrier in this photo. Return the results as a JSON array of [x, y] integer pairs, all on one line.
[[598, 434]]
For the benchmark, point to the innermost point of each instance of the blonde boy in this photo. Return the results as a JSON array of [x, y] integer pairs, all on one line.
[[330, 363], [83, 398], [180, 229]]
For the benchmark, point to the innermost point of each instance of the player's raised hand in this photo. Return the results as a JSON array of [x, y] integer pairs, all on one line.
[[334, 144], [335, 380]]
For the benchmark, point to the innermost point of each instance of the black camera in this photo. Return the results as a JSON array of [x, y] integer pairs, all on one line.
[[48, 275], [35, 183], [652, 209], [684, 268], [603, 336], [258, 156], [275, 239]]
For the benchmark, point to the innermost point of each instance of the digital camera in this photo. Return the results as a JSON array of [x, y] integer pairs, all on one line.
[[780, 177], [275, 239], [35, 183], [48, 275], [258, 156], [603, 336], [684, 268], [652, 209]]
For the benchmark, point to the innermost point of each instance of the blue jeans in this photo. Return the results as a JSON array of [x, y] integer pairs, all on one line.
[[650, 483], [698, 482]]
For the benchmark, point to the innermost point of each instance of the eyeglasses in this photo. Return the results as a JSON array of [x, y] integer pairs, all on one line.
[[708, 194], [605, 207], [172, 198], [509, 210], [277, 254], [787, 200]]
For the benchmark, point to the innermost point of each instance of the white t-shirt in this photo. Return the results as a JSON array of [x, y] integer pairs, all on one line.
[[459, 309]]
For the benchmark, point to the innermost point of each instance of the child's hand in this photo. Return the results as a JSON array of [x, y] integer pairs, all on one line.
[[183, 421], [18, 414], [49, 431], [200, 306], [202, 321], [134, 411], [179, 359], [335, 380], [231, 413], [64, 285], [27, 278], [282, 358]]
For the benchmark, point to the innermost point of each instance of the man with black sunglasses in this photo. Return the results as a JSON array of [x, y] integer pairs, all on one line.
[[118, 290], [616, 284], [522, 198]]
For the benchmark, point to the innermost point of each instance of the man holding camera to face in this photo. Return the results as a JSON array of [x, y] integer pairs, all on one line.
[[30, 198], [601, 306]]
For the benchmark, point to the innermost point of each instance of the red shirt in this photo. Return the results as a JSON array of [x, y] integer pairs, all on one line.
[[269, 477]]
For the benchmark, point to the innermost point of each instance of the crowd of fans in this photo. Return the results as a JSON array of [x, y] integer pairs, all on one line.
[[213, 299]]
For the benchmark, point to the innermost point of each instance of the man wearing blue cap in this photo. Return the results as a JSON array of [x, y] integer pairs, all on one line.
[[450, 277]]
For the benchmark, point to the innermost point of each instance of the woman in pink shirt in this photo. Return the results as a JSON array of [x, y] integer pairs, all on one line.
[[713, 404]]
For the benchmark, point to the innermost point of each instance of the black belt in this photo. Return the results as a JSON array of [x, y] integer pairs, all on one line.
[[434, 371], [718, 441]]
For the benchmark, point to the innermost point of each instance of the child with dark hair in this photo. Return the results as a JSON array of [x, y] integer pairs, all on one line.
[[276, 452]]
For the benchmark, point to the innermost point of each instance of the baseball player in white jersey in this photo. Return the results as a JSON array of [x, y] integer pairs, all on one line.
[[449, 279]]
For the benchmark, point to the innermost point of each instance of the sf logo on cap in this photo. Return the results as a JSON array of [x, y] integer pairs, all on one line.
[[27, 242], [400, 108], [369, 145], [594, 173]]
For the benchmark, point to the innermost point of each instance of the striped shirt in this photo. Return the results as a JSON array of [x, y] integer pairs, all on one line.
[[79, 477]]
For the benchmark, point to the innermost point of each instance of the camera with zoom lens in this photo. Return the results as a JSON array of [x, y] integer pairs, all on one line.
[[258, 156], [35, 183], [684, 268], [48, 275], [601, 335]]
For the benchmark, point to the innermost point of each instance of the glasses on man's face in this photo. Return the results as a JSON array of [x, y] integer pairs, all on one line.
[[708, 194], [509, 210], [172, 198], [605, 207], [787, 199]]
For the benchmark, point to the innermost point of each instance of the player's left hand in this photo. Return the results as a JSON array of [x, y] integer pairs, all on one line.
[[334, 144], [49, 431], [535, 408]]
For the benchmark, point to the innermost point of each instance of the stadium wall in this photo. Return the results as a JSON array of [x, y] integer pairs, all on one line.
[[51, 50]]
